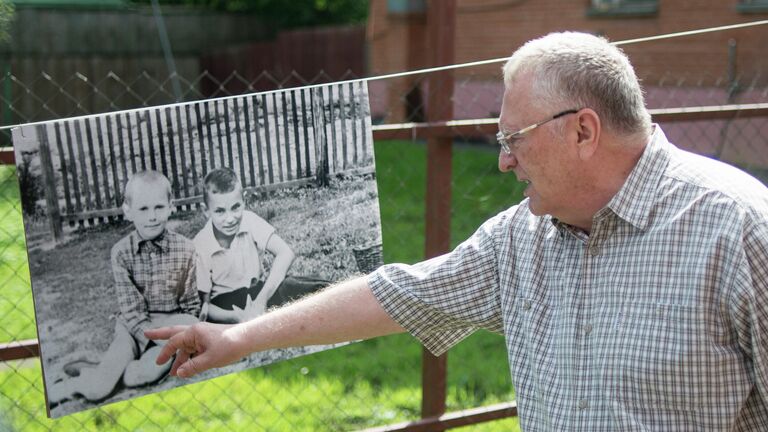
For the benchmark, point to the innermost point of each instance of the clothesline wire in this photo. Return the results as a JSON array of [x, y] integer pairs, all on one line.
[[438, 68], [617, 43]]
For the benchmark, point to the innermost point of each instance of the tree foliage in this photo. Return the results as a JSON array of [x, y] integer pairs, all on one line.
[[288, 13], [6, 18]]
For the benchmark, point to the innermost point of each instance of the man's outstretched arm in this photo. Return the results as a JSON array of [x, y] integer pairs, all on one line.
[[343, 312]]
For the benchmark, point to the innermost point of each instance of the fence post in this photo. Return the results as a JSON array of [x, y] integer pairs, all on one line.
[[49, 184], [321, 141], [441, 20]]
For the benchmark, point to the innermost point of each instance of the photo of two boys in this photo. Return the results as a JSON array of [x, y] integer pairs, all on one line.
[[211, 258]]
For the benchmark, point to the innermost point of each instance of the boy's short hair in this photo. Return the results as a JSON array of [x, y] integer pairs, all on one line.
[[148, 177], [220, 180]]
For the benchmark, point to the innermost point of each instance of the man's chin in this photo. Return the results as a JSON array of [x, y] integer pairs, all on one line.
[[537, 209]]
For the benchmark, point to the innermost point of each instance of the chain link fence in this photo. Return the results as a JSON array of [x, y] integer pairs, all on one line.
[[362, 385]]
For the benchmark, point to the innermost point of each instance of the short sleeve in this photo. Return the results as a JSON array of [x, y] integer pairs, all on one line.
[[443, 300]]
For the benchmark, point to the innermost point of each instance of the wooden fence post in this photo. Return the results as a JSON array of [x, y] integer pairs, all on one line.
[[321, 140], [49, 185], [441, 21]]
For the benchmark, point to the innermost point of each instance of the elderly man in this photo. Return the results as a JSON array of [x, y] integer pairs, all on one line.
[[631, 284]]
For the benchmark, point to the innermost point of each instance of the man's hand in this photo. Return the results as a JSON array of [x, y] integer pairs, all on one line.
[[341, 313], [198, 348]]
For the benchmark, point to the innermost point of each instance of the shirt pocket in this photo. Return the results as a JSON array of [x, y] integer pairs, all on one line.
[[658, 360]]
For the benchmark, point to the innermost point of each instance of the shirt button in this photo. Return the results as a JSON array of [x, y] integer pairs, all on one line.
[[587, 329], [583, 404], [594, 250], [526, 305]]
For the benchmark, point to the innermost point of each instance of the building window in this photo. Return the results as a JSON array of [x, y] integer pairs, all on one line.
[[406, 6], [752, 6], [623, 8]]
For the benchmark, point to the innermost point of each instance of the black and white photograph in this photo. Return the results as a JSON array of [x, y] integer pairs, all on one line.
[[213, 211]]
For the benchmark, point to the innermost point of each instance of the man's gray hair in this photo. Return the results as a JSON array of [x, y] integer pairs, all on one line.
[[577, 70]]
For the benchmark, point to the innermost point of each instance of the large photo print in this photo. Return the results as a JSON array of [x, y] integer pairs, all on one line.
[[209, 211]]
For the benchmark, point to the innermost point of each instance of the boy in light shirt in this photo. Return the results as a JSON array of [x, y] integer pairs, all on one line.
[[232, 281]]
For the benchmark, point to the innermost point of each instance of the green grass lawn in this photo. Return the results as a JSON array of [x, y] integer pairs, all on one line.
[[17, 319], [366, 384]]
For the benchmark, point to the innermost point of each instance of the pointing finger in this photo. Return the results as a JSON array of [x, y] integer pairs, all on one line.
[[182, 342], [164, 332]]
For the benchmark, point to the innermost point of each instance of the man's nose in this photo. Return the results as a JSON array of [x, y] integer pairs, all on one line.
[[507, 161]]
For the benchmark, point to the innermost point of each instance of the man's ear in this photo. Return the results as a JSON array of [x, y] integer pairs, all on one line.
[[588, 130], [205, 209]]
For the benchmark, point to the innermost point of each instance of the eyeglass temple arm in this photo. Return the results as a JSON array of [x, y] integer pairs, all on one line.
[[573, 111]]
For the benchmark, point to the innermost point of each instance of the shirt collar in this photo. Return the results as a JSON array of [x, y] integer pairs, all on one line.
[[160, 242], [564, 228], [208, 245], [637, 196]]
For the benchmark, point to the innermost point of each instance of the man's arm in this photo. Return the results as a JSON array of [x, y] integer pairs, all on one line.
[[756, 307], [343, 312]]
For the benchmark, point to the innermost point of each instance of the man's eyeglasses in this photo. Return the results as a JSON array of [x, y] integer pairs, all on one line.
[[506, 141]]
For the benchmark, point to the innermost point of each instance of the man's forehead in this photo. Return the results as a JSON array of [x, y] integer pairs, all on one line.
[[518, 90], [517, 102], [510, 108]]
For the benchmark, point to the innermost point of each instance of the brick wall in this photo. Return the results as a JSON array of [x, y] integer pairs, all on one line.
[[494, 28]]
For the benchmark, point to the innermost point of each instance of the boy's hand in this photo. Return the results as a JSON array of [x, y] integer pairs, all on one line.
[[197, 348], [204, 312]]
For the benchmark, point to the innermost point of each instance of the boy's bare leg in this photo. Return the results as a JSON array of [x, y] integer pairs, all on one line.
[[96, 383], [144, 370]]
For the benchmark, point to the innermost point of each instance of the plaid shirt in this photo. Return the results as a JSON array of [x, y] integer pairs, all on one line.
[[153, 276], [656, 320]]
